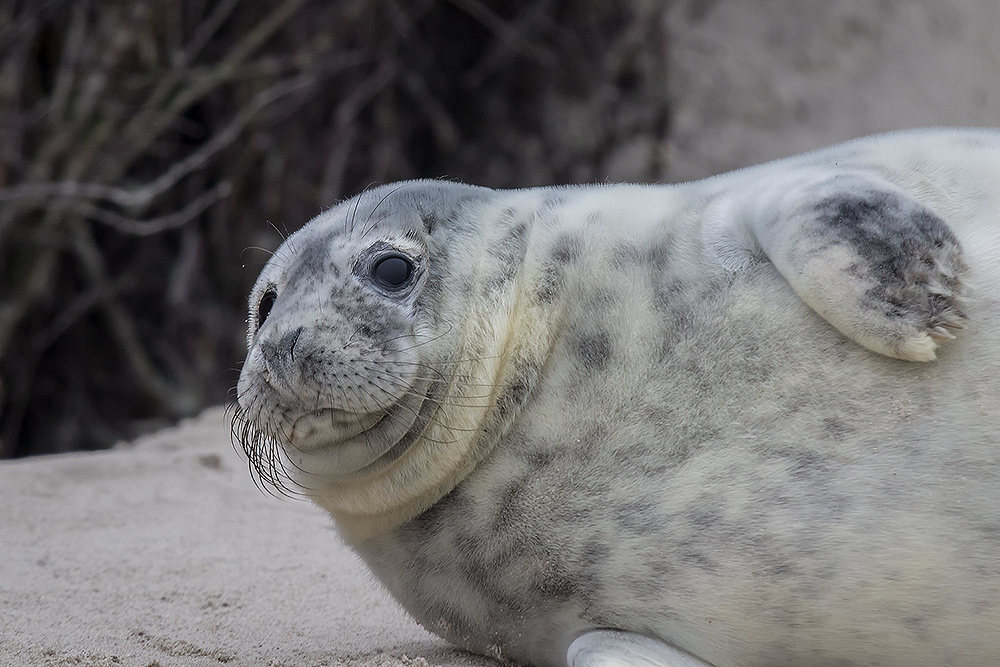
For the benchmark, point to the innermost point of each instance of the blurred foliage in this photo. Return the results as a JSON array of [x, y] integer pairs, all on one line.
[[151, 151]]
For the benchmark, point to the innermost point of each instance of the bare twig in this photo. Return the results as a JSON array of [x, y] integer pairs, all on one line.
[[181, 61], [35, 282], [86, 210], [444, 126], [97, 82], [140, 197], [511, 37], [73, 311], [183, 273], [123, 328], [336, 165], [146, 127], [69, 63]]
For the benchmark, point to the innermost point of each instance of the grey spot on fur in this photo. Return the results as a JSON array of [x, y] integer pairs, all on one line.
[[625, 256], [595, 553], [567, 248], [509, 255], [551, 283], [559, 588], [836, 429], [539, 458], [594, 350], [553, 199], [659, 253], [515, 393], [430, 221], [508, 506], [638, 516]]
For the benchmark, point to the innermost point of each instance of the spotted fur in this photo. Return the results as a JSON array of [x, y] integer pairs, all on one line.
[[730, 423]]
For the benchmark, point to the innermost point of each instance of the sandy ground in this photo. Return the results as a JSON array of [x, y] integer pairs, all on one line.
[[165, 553]]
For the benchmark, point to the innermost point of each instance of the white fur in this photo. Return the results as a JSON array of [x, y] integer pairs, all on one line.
[[679, 412]]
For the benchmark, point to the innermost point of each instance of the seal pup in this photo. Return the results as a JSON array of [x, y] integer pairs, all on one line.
[[735, 422]]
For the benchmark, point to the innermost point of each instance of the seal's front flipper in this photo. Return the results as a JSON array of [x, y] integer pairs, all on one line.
[[877, 264], [607, 648]]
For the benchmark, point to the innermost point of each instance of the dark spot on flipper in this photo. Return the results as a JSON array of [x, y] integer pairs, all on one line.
[[889, 231], [904, 269]]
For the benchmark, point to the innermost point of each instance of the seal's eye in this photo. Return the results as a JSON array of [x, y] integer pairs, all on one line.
[[264, 306], [392, 271]]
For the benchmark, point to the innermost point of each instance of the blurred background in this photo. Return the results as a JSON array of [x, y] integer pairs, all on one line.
[[154, 152]]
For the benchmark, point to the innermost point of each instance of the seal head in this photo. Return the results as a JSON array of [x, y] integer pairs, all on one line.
[[361, 386]]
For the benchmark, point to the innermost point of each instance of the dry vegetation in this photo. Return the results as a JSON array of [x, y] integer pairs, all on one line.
[[149, 147]]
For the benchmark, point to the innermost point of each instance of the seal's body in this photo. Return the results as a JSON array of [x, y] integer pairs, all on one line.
[[718, 423]]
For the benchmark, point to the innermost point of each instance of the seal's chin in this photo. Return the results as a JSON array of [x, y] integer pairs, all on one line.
[[334, 443]]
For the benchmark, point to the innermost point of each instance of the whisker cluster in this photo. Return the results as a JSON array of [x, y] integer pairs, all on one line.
[[269, 466]]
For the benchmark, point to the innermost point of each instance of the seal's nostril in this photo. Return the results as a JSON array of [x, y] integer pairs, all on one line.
[[291, 343], [282, 351]]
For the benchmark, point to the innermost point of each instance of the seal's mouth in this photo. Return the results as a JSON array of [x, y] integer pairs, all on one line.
[[331, 442], [329, 427]]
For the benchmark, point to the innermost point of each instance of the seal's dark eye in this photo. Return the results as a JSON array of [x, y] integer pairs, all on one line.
[[392, 272], [264, 306]]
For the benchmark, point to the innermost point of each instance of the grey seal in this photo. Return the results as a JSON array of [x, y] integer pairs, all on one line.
[[743, 422]]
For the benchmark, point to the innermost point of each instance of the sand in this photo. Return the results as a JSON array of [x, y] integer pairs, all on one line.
[[165, 553]]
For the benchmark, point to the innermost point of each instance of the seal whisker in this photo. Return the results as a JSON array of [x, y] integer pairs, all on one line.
[[468, 361], [271, 443], [370, 223], [414, 335], [255, 247], [423, 397], [435, 374], [385, 412], [261, 451], [454, 400], [352, 217], [283, 234]]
